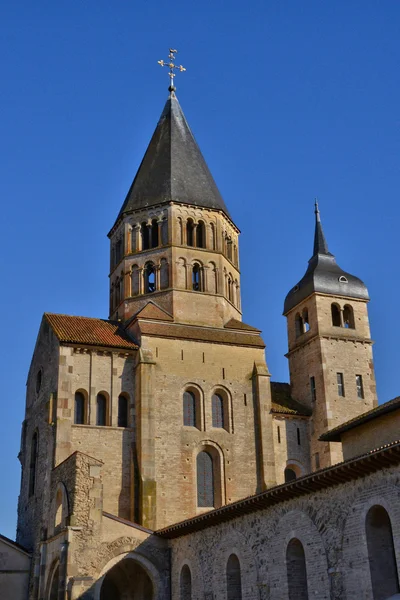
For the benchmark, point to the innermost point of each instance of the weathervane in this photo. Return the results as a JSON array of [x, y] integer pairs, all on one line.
[[172, 66]]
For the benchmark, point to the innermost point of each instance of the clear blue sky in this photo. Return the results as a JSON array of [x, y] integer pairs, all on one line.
[[288, 101]]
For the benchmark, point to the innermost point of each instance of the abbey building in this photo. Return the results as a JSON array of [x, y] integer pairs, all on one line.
[[159, 462]]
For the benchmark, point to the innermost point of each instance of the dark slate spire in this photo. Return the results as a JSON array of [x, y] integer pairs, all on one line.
[[324, 275], [173, 168], [320, 245]]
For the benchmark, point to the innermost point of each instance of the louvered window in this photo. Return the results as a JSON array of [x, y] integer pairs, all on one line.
[[189, 409], [217, 411], [205, 480]]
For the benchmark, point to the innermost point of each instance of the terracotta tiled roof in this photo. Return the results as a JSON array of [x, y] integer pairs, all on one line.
[[373, 461], [201, 334], [283, 403], [334, 435], [89, 331], [236, 324]]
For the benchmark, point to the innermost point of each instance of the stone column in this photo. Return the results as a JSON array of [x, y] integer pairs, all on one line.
[[159, 225], [341, 318], [188, 271], [127, 285], [157, 272], [145, 419], [91, 416], [205, 279], [264, 433], [138, 240], [217, 281], [141, 280]]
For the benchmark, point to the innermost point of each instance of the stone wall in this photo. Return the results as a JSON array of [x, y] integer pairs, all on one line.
[[374, 434], [177, 365], [287, 449], [330, 525], [14, 571]]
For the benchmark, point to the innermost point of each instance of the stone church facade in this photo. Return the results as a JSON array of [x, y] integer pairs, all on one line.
[[159, 461]]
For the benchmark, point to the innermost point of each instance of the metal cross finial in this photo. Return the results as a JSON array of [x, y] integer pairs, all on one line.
[[171, 66]]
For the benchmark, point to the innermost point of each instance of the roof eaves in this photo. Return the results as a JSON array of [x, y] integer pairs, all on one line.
[[334, 435], [331, 476]]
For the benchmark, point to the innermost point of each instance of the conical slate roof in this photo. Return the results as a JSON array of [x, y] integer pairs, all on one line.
[[324, 275], [173, 168]]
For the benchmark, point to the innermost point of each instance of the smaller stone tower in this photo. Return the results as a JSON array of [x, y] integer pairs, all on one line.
[[330, 348]]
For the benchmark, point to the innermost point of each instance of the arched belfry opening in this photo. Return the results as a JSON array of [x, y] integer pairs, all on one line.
[[381, 554], [127, 580]]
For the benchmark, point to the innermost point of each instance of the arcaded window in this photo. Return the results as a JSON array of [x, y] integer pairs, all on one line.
[[122, 411], [39, 377], [205, 480], [189, 409], [290, 475], [61, 508], [79, 409], [296, 571], [154, 233], [360, 387], [101, 410], [149, 279], [218, 419], [306, 322], [212, 237], [196, 278], [117, 289], [186, 584], [340, 384], [189, 232], [299, 325], [200, 235], [145, 236], [348, 317], [229, 248], [118, 251], [33, 464], [233, 579], [381, 554], [335, 310]]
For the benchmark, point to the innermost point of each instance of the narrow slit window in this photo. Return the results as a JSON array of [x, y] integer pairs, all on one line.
[[340, 384], [279, 435], [298, 437], [313, 390], [360, 387]]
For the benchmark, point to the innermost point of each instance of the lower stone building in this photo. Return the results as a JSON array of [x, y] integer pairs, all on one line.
[[159, 462]]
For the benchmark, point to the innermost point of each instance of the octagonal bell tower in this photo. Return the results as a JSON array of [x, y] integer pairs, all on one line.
[[330, 347], [174, 241]]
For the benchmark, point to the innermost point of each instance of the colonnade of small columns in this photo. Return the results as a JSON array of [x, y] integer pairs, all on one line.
[[197, 277]]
